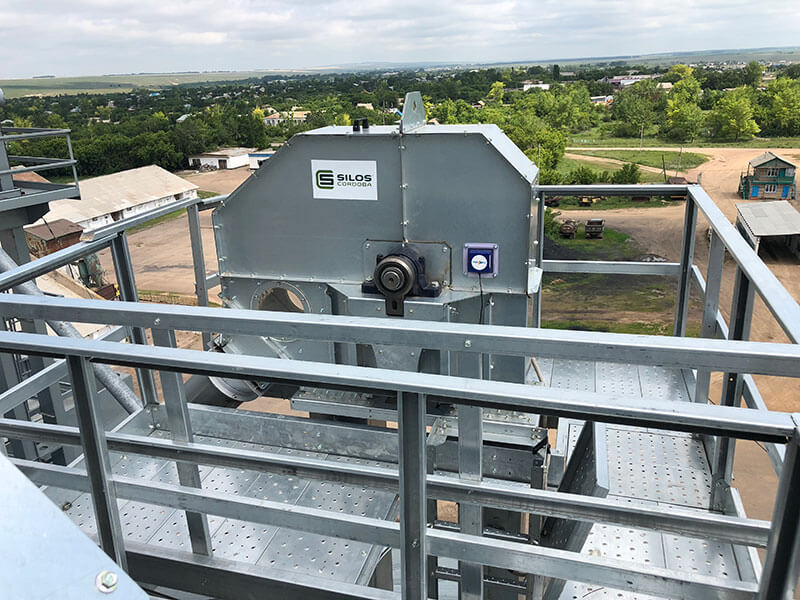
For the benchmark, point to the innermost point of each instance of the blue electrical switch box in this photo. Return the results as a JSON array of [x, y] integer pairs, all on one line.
[[480, 260]]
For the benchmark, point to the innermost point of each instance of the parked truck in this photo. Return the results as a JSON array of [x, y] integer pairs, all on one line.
[[594, 228]]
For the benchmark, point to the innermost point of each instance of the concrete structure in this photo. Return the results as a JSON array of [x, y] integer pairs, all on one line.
[[768, 177], [258, 157], [778, 221], [110, 198], [224, 158]]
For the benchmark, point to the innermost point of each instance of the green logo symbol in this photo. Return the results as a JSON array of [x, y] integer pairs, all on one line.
[[324, 179]]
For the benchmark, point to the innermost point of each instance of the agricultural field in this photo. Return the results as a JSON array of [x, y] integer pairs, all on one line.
[[108, 84]]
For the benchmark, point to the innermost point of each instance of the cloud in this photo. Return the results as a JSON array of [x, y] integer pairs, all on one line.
[[101, 36]]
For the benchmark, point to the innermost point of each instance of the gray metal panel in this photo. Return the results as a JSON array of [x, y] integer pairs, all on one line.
[[44, 556], [265, 226], [451, 199]]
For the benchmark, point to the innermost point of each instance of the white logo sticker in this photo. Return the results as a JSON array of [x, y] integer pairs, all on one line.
[[344, 179]]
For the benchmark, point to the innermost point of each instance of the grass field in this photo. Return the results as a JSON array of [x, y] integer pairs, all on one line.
[[597, 137], [652, 158], [101, 84], [567, 164], [612, 203]]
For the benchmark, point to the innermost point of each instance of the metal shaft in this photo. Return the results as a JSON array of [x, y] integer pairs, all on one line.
[[121, 392]]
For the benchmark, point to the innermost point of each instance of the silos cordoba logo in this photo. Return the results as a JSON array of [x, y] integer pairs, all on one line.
[[344, 179]]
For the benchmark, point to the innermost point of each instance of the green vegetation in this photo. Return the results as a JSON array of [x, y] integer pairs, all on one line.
[[634, 328], [652, 158], [148, 224], [197, 112]]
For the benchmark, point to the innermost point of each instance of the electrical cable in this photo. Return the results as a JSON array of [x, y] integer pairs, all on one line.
[[480, 285]]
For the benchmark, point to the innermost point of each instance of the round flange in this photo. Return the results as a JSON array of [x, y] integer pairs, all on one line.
[[394, 276]]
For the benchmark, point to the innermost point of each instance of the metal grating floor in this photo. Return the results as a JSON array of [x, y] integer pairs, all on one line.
[[264, 545], [646, 466]]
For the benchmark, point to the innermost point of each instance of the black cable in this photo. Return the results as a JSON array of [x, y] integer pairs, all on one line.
[[480, 285]]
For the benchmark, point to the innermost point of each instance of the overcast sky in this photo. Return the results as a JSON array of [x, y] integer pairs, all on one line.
[[90, 37]]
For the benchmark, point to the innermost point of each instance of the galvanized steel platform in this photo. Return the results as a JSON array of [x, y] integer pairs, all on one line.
[[646, 466]]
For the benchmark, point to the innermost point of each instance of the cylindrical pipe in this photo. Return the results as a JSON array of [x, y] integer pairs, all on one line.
[[112, 382]]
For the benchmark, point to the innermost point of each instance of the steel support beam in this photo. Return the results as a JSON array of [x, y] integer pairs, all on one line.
[[199, 263], [413, 505], [779, 579], [180, 427], [722, 463], [126, 282], [95, 452]]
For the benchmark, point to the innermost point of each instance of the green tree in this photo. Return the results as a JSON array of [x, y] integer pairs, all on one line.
[[629, 173], [496, 92], [781, 115], [753, 73], [732, 117], [684, 120], [637, 107], [678, 72], [556, 73]]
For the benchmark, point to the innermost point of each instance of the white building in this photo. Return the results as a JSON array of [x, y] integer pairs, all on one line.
[[110, 198], [534, 85], [224, 158], [256, 158]]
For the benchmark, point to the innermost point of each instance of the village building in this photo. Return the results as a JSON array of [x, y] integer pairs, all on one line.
[[224, 158], [772, 224], [768, 177], [110, 198]]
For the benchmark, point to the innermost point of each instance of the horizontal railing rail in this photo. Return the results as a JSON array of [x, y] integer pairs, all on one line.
[[754, 357], [698, 418]]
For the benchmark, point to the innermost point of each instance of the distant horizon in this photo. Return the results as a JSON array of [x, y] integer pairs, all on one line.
[[48, 37], [378, 65]]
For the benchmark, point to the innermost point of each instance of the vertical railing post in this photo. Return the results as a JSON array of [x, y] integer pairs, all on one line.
[[411, 415], [181, 430], [470, 516], [128, 293], [98, 463], [687, 260], [199, 262], [716, 261], [782, 566], [722, 464]]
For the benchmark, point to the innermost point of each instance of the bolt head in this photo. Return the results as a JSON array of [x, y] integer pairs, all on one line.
[[467, 344], [106, 581]]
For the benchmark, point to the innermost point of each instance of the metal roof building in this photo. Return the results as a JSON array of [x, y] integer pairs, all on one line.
[[109, 198], [756, 220]]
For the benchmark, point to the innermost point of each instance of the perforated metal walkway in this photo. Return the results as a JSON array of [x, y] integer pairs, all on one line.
[[647, 467]]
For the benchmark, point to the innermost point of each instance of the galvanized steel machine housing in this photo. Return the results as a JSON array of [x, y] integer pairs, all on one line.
[[311, 229]]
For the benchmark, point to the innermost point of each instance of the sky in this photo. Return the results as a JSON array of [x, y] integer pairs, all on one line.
[[94, 37]]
